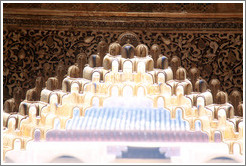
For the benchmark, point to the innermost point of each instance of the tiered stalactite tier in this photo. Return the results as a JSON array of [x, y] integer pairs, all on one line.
[[128, 74]]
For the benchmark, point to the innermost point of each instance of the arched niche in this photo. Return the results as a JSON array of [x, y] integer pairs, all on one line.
[[95, 76], [200, 101], [179, 90], [114, 91], [75, 87], [17, 144], [141, 67], [95, 101], [217, 136], [76, 112], [115, 66], [107, 77], [37, 134], [236, 148], [198, 125], [179, 114], [57, 123], [160, 102], [141, 91], [127, 66], [161, 78], [221, 114], [127, 91], [53, 98]]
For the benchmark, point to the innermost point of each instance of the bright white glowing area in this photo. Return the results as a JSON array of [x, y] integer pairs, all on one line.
[[95, 77], [115, 66], [127, 91], [115, 91], [53, 99], [127, 67], [75, 87], [128, 101], [221, 113], [161, 78], [95, 101], [17, 144], [160, 102], [141, 67], [180, 90], [141, 91], [200, 101]]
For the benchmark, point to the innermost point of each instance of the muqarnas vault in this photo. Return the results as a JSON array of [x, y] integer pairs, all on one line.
[[124, 94]]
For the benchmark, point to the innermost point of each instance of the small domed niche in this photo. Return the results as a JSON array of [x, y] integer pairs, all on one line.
[[128, 51], [141, 50], [181, 74], [115, 49]]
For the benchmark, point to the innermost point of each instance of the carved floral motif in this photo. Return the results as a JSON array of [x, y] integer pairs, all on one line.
[[31, 53]]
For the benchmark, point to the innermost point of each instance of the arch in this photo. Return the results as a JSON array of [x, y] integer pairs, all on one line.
[[230, 112], [32, 112], [216, 112], [96, 76], [221, 112], [106, 77], [115, 65], [114, 90], [141, 68], [165, 89], [95, 101], [179, 90], [15, 121], [217, 136], [161, 77], [37, 134], [237, 148], [141, 90], [79, 84], [75, 87], [93, 87], [56, 123], [188, 89], [150, 77], [127, 66], [66, 85], [200, 101], [23, 108], [150, 64], [178, 111], [200, 96], [85, 85], [76, 112], [229, 109], [127, 91], [53, 98], [107, 62], [17, 144], [160, 102], [198, 125]]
